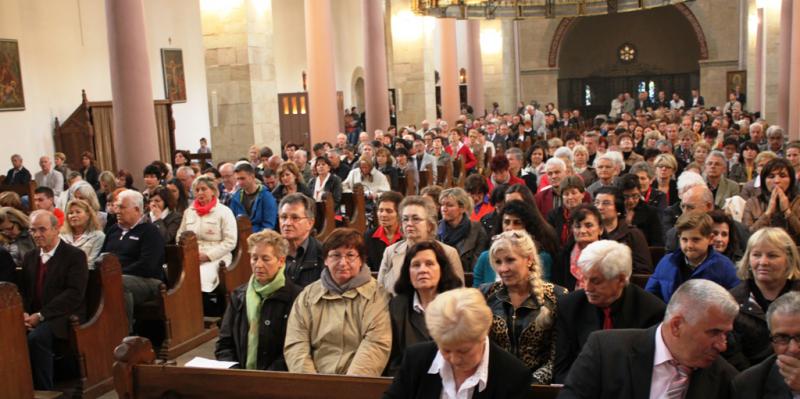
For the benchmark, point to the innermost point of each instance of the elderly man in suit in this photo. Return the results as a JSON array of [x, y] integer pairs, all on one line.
[[423, 160], [679, 358], [778, 376], [53, 283], [722, 187], [609, 301]]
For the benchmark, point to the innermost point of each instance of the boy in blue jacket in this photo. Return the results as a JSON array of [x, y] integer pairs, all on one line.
[[695, 259], [253, 200]]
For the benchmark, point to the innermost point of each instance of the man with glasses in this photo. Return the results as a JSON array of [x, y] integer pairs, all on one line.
[[778, 376], [722, 187], [304, 262]]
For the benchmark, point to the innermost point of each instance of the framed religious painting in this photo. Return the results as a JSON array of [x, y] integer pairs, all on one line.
[[736, 79], [174, 77], [12, 98]]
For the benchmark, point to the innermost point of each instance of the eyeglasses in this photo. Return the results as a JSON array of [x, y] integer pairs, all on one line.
[[291, 218], [337, 257], [412, 219], [784, 339]]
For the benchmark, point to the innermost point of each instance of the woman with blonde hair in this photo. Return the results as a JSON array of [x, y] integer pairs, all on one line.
[[770, 268], [82, 230], [461, 361], [457, 230], [522, 304], [108, 183], [215, 227]]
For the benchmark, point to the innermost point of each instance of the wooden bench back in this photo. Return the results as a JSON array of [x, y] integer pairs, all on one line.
[[15, 367], [21, 190], [238, 272], [94, 341], [135, 376], [426, 177], [326, 216], [444, 176], [355, 208]]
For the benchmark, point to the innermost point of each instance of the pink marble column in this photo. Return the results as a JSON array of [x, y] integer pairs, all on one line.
[[794, 81], [756, 104], [448, 72], [322, 107], [376, 81], [784, 62], [135, 135], [475, 92]]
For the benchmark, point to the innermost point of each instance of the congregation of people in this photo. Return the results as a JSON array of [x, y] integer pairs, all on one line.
[[651, 252]]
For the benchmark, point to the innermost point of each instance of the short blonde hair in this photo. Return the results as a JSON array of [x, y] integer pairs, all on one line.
[[457, 316], [666, 160], [459, 196], [206, 181], [764, 156], [92, 224], [778, 238], [15, 216], [269, 238]]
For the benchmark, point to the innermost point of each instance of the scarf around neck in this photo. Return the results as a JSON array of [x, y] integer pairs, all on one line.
[[203, 210], [254, 300], [453, 235], [364, 276]]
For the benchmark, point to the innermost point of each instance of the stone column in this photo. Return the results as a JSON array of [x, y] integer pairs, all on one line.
[[135, 135], [757, 103], [448, 73], [475, 92], [322, 108], [794, 81], [376, 82], [784, 62], [240, 71]]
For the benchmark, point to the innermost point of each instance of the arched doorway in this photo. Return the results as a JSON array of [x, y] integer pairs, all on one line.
[[358, 97], [651, 50]]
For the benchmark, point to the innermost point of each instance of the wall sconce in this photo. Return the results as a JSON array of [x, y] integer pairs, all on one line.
[[491, 41], [462, 76]]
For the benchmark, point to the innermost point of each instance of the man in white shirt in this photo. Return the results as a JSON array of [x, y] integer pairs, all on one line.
[[678, 358], [49, 177]]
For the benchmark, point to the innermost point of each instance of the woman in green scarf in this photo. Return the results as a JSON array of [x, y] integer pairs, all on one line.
[[254, 325]]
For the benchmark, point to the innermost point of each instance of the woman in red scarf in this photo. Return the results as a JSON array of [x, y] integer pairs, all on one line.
[[215, 227]]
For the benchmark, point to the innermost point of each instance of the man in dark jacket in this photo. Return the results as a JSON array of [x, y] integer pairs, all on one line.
[[679, 356], [304, 262], [18, 174], [779, 375], [53, 283], [609, 301], [140, 249]]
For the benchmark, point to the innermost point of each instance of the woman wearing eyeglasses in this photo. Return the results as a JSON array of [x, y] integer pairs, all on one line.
[[339, 324], [522, 304], [418, 223], [770, 268]]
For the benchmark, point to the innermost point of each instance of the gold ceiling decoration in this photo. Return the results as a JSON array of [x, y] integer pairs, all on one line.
[[490, 9]]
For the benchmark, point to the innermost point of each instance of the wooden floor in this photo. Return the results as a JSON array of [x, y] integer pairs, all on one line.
[[206, 350]]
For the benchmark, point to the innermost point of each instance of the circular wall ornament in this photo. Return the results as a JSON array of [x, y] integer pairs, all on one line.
[[627, 53]]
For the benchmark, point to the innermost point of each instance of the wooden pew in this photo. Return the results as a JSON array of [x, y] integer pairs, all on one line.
[[135, 377], [656, 253], [21, 190], [407, 185], [238, 272], [180, 306], [426, 177], [94, 341], [445, 175], [15, 368], [355, 208], [325, 217], [640, 279], [459, 173]]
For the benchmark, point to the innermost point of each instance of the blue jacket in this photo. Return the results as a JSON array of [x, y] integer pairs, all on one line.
[[264, 212], [667, 277], [483, 272]]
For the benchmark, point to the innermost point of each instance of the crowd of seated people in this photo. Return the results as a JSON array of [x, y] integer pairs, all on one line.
[[567, 227]]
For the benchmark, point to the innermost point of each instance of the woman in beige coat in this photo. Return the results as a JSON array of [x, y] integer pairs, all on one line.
[[340, 324], [778, 205], [215, 227]]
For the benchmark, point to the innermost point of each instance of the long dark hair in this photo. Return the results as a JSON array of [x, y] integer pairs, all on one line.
[[542, 233], [182, 202], [447, 277], [719, 216], [773, 165]]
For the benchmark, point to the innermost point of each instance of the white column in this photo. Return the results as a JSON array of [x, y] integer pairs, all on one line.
[[448, 75]]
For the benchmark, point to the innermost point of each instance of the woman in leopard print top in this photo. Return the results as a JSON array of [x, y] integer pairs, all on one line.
[[523, 304]]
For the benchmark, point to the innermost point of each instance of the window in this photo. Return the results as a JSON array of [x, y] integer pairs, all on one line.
[[651, 92], [587, 95]]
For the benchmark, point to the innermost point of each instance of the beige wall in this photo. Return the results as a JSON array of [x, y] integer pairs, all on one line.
[[538, 81]]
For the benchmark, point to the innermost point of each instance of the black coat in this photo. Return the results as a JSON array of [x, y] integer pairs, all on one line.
[[140, 252], [748, 343], [408, 328], [560, 273], [307, 268], [7, 266], [618, 364], [762, 381], [508, 377], [63, 293], [648, 219], [375, 248], [91, 175], [576, 318], [232, 343], [635, 240], [23, 176]]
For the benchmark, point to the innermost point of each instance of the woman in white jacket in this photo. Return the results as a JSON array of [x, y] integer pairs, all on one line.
[[215, 227], [372, 179]]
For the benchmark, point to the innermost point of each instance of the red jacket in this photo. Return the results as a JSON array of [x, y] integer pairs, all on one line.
[[464, 153]]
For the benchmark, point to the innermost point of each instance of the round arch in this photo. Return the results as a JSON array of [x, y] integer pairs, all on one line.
[[358, 98]]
